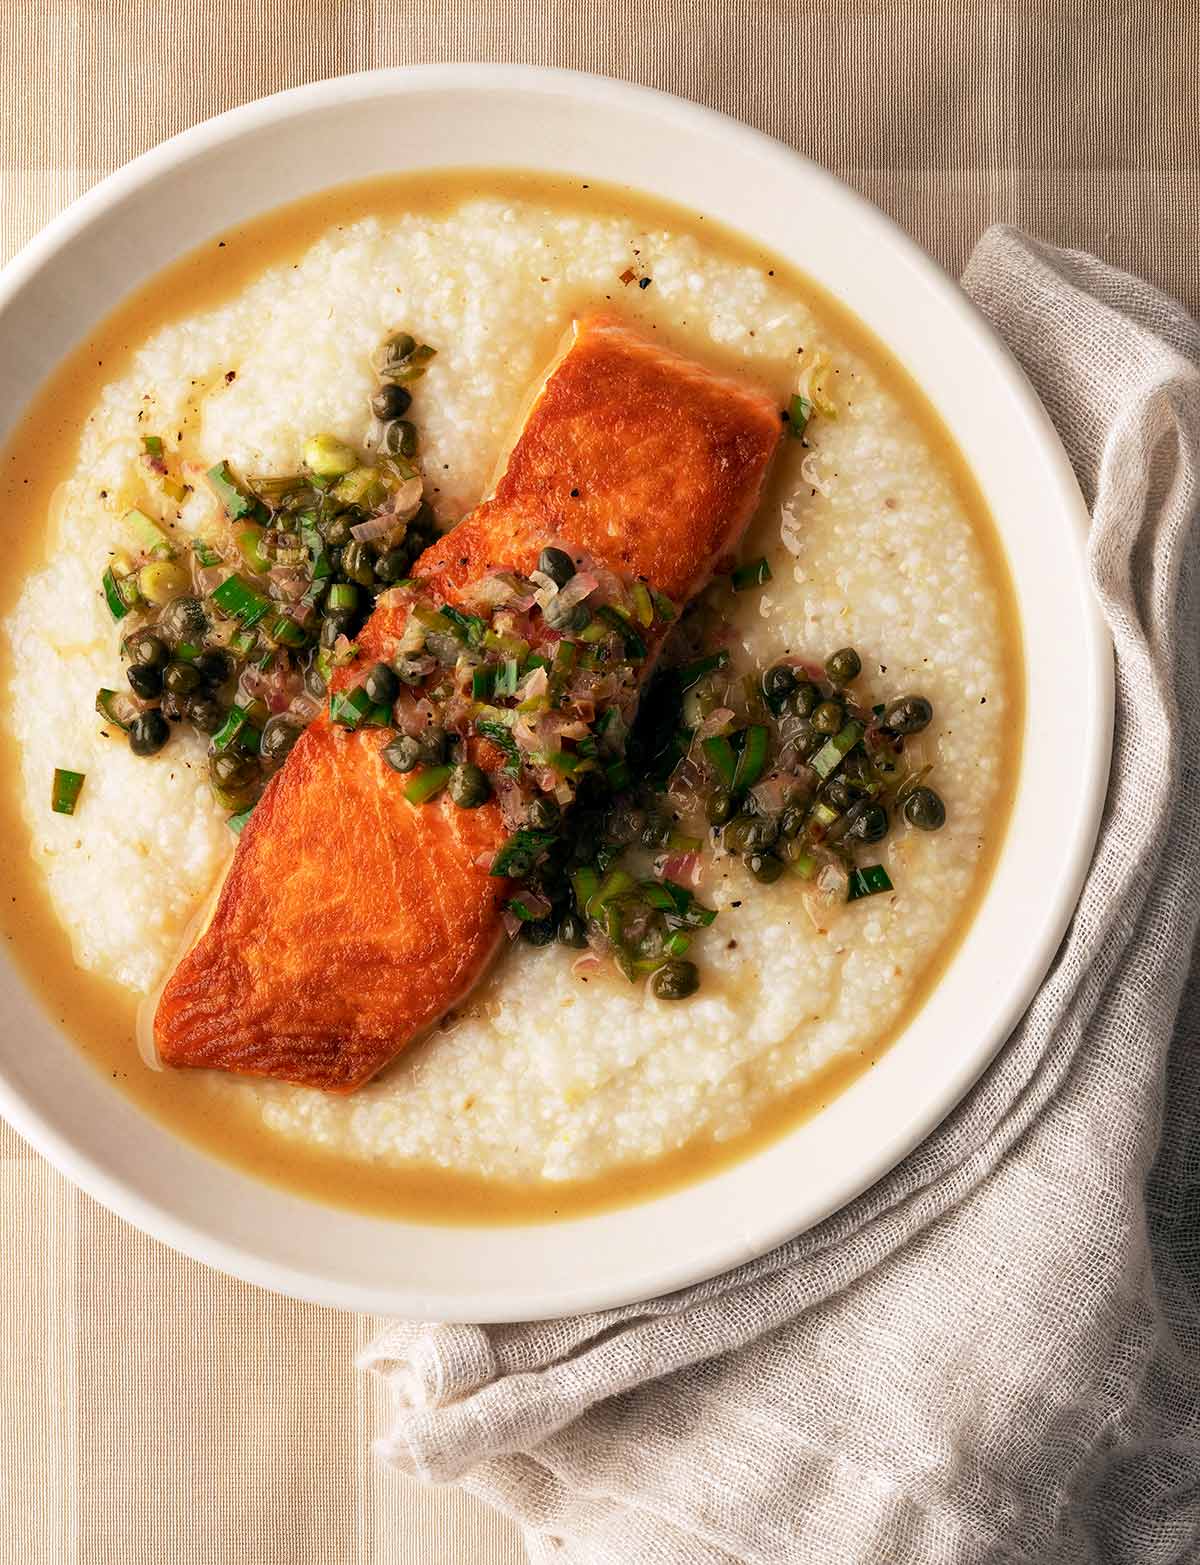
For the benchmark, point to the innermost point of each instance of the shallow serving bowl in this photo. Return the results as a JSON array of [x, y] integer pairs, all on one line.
[[289, 146]]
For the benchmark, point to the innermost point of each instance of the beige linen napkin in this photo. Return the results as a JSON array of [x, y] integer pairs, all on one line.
[[994, 1354]]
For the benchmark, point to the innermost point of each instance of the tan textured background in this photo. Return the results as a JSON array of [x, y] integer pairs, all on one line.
[[150, 1410]]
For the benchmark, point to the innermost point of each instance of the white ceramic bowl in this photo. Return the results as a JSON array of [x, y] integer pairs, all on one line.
[[285, 147]]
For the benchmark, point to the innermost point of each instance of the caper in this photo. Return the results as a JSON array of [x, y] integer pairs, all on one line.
[[624, 823], [399, 437], [393, 565], [408, 669], [183, 619], [828, 718], [858, 770], [357, 565], [924, 809], [146, 648], [557, 564], [230, 770], [567, 620], [867, 822], [719, 806], [838, 793], [403, 753], [539, 931], [398, 348], [329, 457], [791, 823], [181, 679], [433, 745], [572, 931], [804, 700], [145, 680], [543, 814], [148, 733], [908, 715], [778, 684], [675, 980], [764, 866], [843, 666], [214, 667], [381, 684], [204, 713], [749, 834], [391, 402], [278, 737], [656, 832], [160, 581], [336, 530], [469, 786]]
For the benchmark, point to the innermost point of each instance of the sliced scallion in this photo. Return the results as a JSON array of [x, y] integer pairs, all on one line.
[[799, 413], [752, 761], [114, 595], [148, 533], [691, 673], [427, 784], [230, 493], [239, 600], [65, 790], [835, 750], [868, 882], [754, 574], [236, 822], [719, 752]]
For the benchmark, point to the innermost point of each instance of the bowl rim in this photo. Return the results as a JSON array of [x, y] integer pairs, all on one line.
[[757, 1237]]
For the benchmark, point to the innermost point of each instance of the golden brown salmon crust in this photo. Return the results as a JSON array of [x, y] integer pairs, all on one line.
[[350, 920]]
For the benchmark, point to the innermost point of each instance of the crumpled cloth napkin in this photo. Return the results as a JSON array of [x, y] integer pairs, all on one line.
[[994, 1354]]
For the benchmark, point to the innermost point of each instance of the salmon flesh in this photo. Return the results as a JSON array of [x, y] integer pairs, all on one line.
[[350, 920]]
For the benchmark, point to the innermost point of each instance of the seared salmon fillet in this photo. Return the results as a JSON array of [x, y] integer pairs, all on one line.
[[351, 920]]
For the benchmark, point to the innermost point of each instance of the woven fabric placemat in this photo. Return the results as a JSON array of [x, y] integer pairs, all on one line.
[[151, 1409]]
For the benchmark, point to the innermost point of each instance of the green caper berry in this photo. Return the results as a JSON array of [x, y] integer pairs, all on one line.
[[145, 680], [408, 671], [539, 931], [572, 931], [146, 648], [765, 867], [357, 565], [398, 348], [828, 718], [843, 666], [778, 684], [399, 437], [391, 402], [469, 786], [908, 715], [204, 713], [403, 753], [838, 793], [278, 737], [183, 619], [557, 564], [433, 745], [381, 684], [181, 679], [393, 566], [924, 809], [791, 823], [675, 980], [571, 620], [336, 530], [719, 806], [148, 733], [804, 700], [214, 667], [749, 834], [868, 822], [231, 770], [543, 814]]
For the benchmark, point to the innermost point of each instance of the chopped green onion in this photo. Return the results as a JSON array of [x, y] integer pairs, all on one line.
[[148, 534], [868, 882], [432, 619], [497, 732], [565, 763], [283, 630], [521, 909], [249, 544], [237, 729], [508, 676], [343, 595], [677, 944], [677, 842], [230, 493], [519, 854], [483, 683], [585, 883], [823, 814], [564, 657], [799, 413], [239, 600], [114, 595], [320, 565], [64, 791], [428, 783], [754, 574], [804, 865], [753, 759], [665, 609], [236, 822], [643, 604], [349, 708], [152, 445], [206, 555], [720, 752], [469, 627], [508, 646], [187, 652], [835, 750], [615, 884], [692, 673], [635, 647], [110, 704]]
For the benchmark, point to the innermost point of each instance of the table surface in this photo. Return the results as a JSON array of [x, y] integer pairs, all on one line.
[[152, 1409]]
